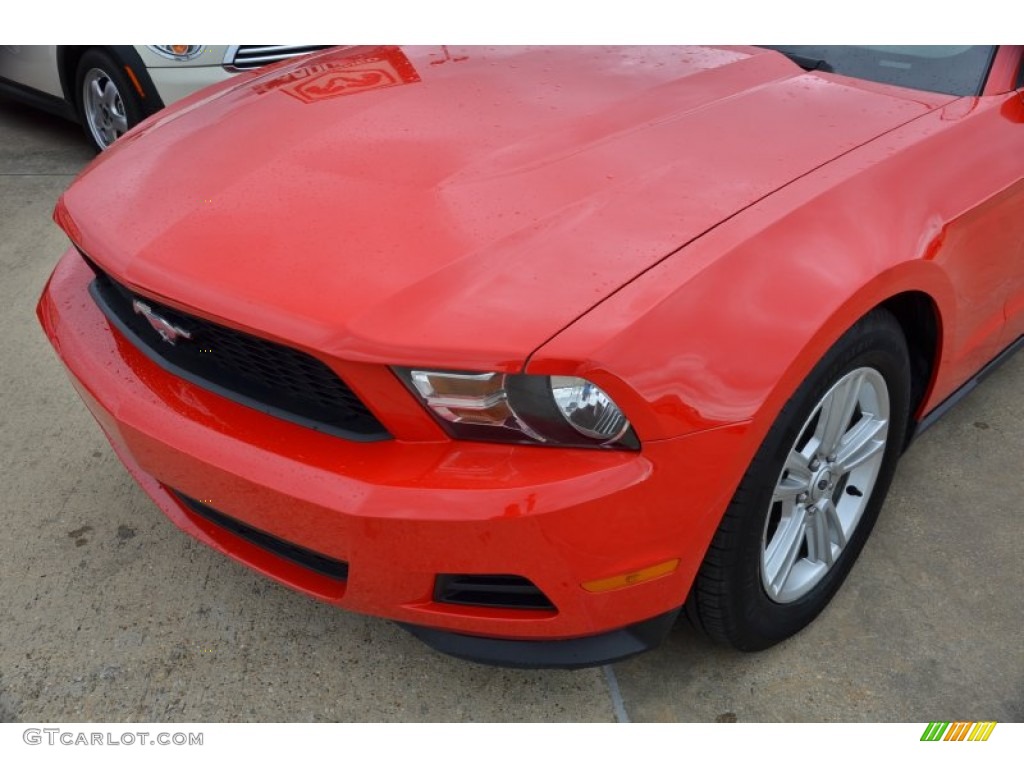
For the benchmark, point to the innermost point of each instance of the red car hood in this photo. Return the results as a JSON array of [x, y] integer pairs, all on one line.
[[454, 206]]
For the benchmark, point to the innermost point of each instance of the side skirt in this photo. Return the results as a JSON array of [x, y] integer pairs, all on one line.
[[55, 105], [946, 405]]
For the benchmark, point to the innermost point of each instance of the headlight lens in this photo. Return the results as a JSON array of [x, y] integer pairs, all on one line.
[[588, 408], [519, 408], [177, 52]]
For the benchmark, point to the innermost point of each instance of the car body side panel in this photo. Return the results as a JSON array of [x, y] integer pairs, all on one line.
[[34, 66], [1014, 309], [175, 83], [1014, 316], [174, 80], [211, 55], [738, 319]]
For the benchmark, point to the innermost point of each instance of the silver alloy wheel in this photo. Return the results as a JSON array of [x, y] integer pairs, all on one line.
[[825, 485], [103, 107]]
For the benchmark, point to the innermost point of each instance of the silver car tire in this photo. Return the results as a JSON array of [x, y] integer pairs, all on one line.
[[107, 102]]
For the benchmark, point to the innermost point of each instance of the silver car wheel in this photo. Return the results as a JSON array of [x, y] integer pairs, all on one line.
[[825, 485], [103, 107]]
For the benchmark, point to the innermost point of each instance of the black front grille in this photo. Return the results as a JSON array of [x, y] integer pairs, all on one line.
[[262, 374], [490, 591], [307, 558]]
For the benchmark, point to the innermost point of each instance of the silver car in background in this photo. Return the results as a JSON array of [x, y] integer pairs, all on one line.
[[110, 88]]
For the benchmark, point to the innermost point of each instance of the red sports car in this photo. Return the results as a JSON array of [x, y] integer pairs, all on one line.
[[529, 349]]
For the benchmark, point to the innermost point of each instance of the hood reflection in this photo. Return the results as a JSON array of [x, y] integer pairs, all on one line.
[[344, 74]]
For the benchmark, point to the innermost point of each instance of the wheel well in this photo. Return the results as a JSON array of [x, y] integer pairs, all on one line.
[[68, 57], [918, 316]]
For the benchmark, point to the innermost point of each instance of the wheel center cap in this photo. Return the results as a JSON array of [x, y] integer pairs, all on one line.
[[822, 484]]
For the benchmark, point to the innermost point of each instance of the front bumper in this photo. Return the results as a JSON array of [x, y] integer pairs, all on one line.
[[175, 82], [399, 512]]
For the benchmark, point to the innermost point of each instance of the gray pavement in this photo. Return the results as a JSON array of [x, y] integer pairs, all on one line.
[[109, 613]]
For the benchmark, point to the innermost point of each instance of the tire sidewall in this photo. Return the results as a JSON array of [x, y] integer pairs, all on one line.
[[875, 343], [108, 64]]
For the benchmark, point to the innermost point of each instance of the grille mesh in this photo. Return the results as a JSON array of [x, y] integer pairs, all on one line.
[[263, 374]]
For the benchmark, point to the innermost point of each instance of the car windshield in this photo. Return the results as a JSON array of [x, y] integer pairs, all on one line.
[[959, 70]]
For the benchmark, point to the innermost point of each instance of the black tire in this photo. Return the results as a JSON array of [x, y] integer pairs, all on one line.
[[730, 598], [120, 108]]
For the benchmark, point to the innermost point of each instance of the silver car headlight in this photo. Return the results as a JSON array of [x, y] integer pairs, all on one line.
[[177, 52]]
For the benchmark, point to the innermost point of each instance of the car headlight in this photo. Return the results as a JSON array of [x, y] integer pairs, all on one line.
[[520, 408], [177, 52]]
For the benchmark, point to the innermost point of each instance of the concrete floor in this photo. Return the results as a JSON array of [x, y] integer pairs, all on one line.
[[111, 614]]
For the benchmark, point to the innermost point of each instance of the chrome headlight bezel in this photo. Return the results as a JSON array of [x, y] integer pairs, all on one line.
[[169, 51]]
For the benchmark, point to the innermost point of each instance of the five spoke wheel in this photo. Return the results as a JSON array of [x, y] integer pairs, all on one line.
[[104, 107], [826, 481], [811, 494], [109, 104]]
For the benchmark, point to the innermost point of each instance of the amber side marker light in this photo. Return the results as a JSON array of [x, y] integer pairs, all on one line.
[[631, 578], [135, 81]]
